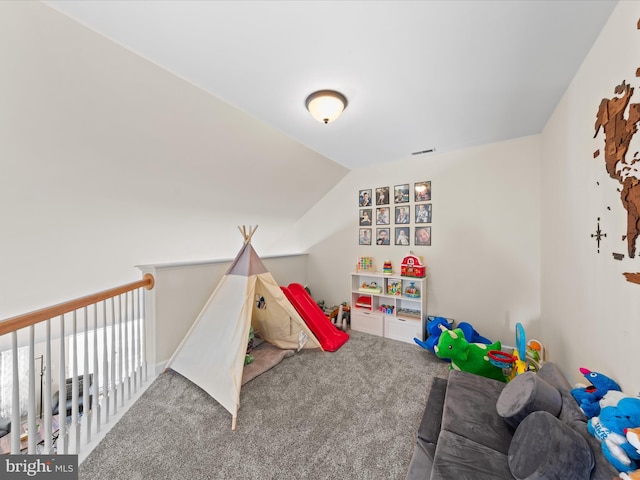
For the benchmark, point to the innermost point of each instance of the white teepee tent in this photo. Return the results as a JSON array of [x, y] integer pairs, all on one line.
[[212, 353]]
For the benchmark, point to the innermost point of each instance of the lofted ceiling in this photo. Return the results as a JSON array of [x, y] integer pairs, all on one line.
[[418, 74]]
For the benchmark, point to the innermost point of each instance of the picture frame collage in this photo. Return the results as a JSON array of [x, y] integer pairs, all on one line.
[[400, 216]]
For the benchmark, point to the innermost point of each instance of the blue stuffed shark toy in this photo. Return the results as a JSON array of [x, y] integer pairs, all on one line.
[[588, 398]]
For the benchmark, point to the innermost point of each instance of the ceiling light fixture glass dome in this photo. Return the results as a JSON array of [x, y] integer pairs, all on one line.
[[326, 105]]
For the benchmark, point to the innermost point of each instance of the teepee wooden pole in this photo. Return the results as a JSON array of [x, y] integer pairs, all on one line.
[[247, 235], [233, 423], [252, 230]]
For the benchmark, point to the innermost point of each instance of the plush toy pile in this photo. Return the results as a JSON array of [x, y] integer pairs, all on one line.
[[614, 419], [609, 428]]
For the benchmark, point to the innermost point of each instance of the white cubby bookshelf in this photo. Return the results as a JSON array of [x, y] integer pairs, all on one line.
[[408, 316]]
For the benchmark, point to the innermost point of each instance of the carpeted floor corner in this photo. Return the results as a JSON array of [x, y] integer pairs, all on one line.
[[350, 414]]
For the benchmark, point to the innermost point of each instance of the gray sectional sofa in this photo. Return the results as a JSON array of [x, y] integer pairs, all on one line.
[[531, 428]]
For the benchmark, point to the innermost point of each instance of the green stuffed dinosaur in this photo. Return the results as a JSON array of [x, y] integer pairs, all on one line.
[[468, 357]]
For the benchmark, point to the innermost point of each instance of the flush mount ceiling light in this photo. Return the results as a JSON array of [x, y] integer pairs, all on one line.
[[326, 105]]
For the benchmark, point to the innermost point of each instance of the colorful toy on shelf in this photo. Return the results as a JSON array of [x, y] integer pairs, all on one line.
[[394, 288], [412, 266], [387, 309], [387, 267], [412, 291], [589, 397], [371, 287], [365, 264], [364, 302]]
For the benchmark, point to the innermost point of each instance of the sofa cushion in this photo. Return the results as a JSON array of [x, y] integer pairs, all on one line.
[[422, 461], [603, 469], [545, 448], [432, 417], [525, 394], [551, 374], [459, 458], [570, 411], [470, 410]]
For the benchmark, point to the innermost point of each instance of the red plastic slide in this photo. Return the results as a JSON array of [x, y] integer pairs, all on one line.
[[326, 332]]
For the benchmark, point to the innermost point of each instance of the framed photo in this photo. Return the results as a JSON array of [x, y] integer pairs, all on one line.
[[383, 236], [401, 193], [402, 214], [423, 213], [422, 191], [364, 236], [402, 236], [423, 236], [365, 217], [382, 196], [382, 216], [364, 198]]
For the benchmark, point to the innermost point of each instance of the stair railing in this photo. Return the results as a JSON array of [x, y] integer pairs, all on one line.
[[111, 328]]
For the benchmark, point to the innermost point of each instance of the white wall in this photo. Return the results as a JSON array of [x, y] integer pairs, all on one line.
[[484, 261], [590, 312], [109, 161]]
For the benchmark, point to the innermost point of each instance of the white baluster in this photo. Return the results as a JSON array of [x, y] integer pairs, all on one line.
[[15, 400], [96, 374], [114, 383], [105, 363], [127, 368], [31, 409], [135, 339], [143, 337], [75, 410], [86, 411], [48, 430], [121, 344], [62, 393]]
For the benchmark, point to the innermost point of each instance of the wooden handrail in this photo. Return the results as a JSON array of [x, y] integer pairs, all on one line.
[[21, 321]]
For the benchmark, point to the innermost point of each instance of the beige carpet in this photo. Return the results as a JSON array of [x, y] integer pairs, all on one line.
[[350, 414]]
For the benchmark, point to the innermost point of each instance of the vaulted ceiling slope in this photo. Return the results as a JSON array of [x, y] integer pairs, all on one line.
[[418, 74], [90, 119]]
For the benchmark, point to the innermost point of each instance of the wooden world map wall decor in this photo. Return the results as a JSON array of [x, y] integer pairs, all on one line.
[[619, 130]]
